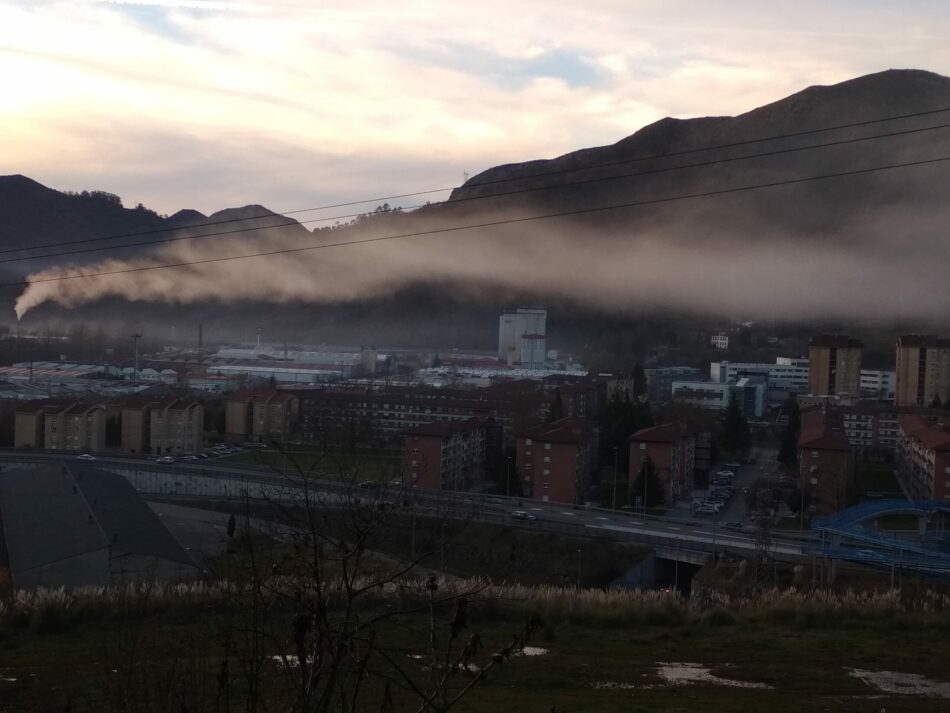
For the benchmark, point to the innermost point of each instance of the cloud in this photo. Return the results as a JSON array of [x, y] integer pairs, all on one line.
[[292, 88]]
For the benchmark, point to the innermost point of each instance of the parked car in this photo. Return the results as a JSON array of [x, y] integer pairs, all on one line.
[[190, 458], [733, 525], [86, 456], [522, 515], [203, 456], [165, 459]]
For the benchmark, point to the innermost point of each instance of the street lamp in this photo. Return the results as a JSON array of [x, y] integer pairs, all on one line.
[[616, 473], [508, 484]]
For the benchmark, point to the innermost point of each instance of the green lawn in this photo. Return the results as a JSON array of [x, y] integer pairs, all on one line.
[[877, 478]]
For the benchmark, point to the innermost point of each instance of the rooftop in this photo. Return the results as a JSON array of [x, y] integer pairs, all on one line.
[[922, 340], [817, 432], [839, 341], [927, 432], [664, 433], [441, 429], [565, 430]]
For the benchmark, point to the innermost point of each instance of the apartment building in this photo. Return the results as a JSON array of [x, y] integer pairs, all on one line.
[[672, 448], [825, 463], [834, 365], [28, 424], [449, 455], [923, 370], [176, 426], [366, 415], [136, 431], [555, 461], [923, 459], [261, 415]]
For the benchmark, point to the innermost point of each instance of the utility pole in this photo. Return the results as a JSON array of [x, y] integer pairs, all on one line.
[[135, 369], [578, 569], [616, 473]]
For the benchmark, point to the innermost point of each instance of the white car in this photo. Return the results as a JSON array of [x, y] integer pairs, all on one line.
[[86, 456], [165, 459]]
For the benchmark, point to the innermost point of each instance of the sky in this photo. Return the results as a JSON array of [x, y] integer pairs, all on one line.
[[294, 104]]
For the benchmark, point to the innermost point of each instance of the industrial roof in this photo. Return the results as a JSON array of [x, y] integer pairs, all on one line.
[[127, 521], [45, 518]]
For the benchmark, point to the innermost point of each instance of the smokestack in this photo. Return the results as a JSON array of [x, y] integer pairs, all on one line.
[[200, 340]]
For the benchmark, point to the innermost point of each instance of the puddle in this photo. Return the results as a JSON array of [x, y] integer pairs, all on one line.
[[685, 674], [682, 674], [908, 684], [531, 651]]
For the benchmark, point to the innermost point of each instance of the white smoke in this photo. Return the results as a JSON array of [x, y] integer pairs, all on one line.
[[780, 277]]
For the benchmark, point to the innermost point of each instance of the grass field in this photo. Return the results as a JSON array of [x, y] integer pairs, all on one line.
[[589, 658]]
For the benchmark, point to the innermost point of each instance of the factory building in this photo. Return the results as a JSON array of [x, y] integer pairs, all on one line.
[[513, 326]]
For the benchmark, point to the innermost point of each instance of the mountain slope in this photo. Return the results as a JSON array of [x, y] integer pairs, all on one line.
[[809, 248]]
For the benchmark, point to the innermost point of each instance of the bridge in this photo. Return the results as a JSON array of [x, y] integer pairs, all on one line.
[[845, 536], [683, 540]]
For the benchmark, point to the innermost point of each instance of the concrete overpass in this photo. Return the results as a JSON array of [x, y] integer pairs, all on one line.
[[679, 539]]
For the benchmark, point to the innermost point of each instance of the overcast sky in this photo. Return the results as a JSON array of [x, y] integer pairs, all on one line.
[[297, 103]]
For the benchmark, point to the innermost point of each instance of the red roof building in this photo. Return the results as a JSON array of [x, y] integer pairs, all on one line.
[[555, 460], [825, 465], [923, 459]]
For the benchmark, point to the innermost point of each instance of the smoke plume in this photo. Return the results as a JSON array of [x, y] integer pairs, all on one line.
[[880, 268]]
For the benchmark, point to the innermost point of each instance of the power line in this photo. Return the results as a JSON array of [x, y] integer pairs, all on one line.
[[598, 179], [607, 164], [495, 223]]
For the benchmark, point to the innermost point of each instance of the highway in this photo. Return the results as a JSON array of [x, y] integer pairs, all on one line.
[[670, 533]]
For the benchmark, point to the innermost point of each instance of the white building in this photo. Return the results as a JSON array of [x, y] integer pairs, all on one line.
[[786, 374], [514, 325], [749, 392], [720, 340], [878, 384]]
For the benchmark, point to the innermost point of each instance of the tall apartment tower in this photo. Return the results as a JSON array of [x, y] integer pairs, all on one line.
[[923, 370], [834, 366], [515, 324]]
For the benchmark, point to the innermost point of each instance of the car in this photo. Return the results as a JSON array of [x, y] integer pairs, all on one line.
[[86, 456], [732, 466], [733, 525], [203, 456], [165, 459], [369, 484], [190, 458], [522, 515]]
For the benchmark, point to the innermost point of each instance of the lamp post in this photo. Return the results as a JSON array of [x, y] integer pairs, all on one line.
[[508, 484], [616, 473], [646, 482], [578, 569], [135, 369]]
